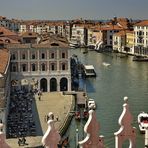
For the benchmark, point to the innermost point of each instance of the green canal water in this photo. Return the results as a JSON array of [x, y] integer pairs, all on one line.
[[122, 78]]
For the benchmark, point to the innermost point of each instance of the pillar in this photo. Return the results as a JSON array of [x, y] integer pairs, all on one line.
[[146, 138]]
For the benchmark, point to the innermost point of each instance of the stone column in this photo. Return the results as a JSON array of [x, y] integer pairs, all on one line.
[[69, 84], [58, 84], [146, 138]]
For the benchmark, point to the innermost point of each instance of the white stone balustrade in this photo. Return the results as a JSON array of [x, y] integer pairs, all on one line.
[[91, 128], [52, 137], [3, 143], [126, 131]]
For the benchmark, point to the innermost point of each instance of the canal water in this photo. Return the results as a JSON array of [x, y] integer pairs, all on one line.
[[122, 78]]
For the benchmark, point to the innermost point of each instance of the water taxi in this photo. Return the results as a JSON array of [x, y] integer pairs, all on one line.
[[143, 121], [89, 71]]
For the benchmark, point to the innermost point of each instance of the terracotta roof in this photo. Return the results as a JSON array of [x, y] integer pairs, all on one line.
[[4, 59], [2, 17], [123, 32], [29, 35], [120, 33], [142, 23], [6, 32], [108, 27], [7, 40]]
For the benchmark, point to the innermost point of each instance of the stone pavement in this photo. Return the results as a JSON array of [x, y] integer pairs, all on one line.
[[54, 102]]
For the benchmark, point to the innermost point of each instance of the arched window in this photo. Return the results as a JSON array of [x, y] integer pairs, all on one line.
[[43, 67], [63, 84], [33, 67]]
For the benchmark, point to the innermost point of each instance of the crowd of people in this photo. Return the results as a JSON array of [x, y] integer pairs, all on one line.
[[20, 122]]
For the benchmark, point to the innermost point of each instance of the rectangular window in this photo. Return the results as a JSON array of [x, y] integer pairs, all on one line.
[[52, 67], [23, 56], [63, 55], [43, 55], [33, 56]]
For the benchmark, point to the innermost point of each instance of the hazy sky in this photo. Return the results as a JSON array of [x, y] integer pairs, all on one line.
[[72, 9]]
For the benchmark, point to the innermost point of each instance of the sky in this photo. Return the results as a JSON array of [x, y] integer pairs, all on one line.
[[73, 9]]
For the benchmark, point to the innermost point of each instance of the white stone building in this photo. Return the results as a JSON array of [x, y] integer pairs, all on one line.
[[43, 67], [79, 35], [141, 38]]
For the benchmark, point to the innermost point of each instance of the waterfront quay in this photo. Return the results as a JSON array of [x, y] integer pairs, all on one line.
[[55, 102]]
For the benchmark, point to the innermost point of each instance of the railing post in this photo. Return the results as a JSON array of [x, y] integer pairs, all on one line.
[[126, 131], [52, 137], [3, 143], [91, 128]]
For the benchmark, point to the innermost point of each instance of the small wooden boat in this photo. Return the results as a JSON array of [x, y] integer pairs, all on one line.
[[77, 115], [143, 121], [85, 114], [140, 58]]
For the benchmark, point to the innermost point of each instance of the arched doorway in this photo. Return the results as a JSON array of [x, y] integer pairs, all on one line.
[[53, 84], [43, 85], [63, 84]]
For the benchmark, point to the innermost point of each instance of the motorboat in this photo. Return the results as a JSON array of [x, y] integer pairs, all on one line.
[[89, 71], [143, 121], [91, 104], [105, 64]]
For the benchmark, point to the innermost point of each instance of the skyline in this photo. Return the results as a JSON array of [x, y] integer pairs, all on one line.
[[69, 9]]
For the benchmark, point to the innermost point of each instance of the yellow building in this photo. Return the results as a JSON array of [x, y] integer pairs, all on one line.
[[130, 41]]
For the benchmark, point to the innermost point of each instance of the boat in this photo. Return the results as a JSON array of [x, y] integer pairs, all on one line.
[[85, 114], [89, 71], [105, 64], [74, 45], [140, 58], [143, 121], [77, 115], [91, 104]]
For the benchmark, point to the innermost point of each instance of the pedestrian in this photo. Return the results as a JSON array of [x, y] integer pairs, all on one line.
[[57, 118], [23, 140], [39, 98]]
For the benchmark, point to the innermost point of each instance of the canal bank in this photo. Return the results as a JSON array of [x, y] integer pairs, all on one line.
[[123, 77]]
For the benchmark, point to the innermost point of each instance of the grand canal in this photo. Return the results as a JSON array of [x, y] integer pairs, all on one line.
[[122, 78]]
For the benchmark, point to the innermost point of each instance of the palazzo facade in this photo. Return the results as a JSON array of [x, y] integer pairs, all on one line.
[[42, 67]]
